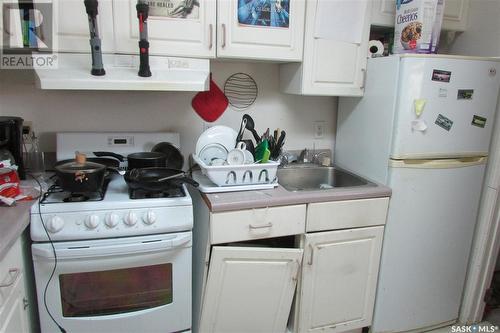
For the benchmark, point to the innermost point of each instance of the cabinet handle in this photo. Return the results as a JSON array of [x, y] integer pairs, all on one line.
[[13, 273], [210, 40], [267, 225], [363, 70], [310, 262], [223, 35], [25, 303]]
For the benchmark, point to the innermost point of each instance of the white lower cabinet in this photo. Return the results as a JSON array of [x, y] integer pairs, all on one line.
[[339, 277], [249, 289], [286, 269], [13, 300]]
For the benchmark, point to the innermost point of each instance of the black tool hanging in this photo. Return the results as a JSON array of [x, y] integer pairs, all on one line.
[[142, 14], [95, 40]]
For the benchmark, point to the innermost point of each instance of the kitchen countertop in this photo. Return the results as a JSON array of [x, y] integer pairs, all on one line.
[[13, 221], [221, 202]]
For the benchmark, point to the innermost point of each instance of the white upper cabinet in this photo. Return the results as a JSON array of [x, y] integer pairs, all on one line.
[[455, 14], [234, 29], [270, 30], [72, 29], [171, 31], [335, 50]]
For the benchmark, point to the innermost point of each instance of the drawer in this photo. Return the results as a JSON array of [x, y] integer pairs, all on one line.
[[346, 214], [257, 223]]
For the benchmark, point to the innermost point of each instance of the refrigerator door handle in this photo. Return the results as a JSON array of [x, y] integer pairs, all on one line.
[[445, 163]]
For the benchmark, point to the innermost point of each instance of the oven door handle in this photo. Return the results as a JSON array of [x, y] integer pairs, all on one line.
[[94, 251]]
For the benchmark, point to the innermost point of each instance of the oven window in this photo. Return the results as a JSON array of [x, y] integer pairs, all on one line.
[[115, 291]]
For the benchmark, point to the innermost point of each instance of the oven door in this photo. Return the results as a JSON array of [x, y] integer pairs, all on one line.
[[130, 284]]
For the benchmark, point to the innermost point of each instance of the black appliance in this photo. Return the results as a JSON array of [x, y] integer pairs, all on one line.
[[11, 138]]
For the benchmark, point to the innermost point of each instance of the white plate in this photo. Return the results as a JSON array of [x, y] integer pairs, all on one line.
[[223, 135], [213, 151]]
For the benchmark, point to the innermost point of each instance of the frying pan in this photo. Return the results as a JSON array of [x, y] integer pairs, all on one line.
[[174, 158], [138, 160], [156, 179]]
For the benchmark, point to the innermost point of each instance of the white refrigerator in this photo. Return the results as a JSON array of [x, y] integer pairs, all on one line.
[[423, 128]]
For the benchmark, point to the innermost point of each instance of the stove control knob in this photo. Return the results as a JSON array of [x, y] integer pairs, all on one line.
[[149, 217], [112, 220], [54, 224], [92, 221], [130, 219]]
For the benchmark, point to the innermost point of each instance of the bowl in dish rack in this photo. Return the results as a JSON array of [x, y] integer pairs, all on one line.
[[223, 135]]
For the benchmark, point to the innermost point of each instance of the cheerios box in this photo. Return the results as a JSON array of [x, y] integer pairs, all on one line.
[[417, 26]]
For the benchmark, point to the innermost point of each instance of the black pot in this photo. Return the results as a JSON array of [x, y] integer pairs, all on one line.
[[153, 179], [138, 160], [80, 177]]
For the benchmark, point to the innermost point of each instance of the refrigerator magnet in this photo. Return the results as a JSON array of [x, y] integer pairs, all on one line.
[[444, 122], [478, 121], [419, 105], [443, 92], [441, 76], [465, 93]]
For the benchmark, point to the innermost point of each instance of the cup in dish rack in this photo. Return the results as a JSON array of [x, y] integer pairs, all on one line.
[[237, 155]]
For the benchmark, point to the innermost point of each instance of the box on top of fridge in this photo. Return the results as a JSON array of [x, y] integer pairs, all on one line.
[[417, 26]]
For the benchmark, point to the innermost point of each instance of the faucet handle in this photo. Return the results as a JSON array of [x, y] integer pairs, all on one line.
[[304, 156]]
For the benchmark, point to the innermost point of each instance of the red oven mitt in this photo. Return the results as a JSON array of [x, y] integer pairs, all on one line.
[[210, 105]]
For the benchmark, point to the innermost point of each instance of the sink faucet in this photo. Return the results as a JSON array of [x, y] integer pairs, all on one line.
[[320, 161], [314, 158]]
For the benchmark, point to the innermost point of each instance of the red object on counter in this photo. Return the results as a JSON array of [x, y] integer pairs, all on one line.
[[9, 184], [210, 105]]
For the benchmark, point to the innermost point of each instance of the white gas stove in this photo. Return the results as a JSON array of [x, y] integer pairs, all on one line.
[[109, 262], [111, 213]]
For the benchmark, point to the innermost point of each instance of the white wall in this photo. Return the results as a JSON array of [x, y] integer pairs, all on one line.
[[53, 111], [482, 36]]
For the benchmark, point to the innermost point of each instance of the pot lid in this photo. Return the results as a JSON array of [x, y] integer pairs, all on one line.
[[80, 164]]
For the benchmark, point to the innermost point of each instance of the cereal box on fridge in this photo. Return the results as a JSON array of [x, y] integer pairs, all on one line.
[[417, 26]]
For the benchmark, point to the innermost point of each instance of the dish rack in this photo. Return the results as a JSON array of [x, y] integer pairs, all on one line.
[[245, 174]]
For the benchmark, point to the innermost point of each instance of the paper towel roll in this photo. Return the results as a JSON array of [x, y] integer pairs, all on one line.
[[375, 48]]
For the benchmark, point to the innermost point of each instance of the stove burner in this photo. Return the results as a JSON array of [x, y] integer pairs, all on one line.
[[56, 194], [172, 192], [76, 197]]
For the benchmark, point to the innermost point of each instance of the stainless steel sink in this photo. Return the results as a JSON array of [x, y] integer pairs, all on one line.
[[310, 178]]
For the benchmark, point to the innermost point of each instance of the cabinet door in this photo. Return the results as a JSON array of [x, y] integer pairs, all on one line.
[[339, 278], [13, 317], [455, 14], [336, 66], [249, 289], [171, 31], [72, 29], [271, 30]]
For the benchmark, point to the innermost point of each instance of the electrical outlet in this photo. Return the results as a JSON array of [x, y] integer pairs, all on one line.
[[27, 128], [319, 129]]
